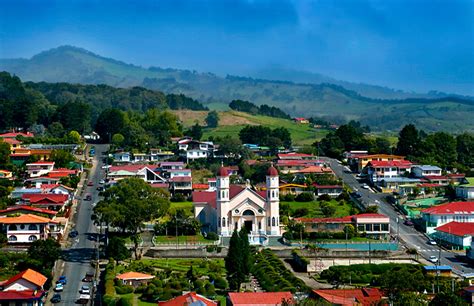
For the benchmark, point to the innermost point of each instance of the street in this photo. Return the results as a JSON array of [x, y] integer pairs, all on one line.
[[411, 237], [83, 249]]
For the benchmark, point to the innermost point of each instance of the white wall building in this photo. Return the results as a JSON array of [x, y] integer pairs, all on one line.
[[426, 170], [39, 168], [436, 216]]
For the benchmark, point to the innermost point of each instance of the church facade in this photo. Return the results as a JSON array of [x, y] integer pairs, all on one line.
[[233, 207]]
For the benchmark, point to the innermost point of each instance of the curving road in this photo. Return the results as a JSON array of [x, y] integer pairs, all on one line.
[[406, 234]]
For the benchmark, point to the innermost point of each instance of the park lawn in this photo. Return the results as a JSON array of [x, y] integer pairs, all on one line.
[[186, 206], [181, 239], [183, 264], [143, 303], [314, 208]]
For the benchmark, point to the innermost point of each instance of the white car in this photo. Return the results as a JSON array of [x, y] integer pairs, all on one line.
[[85, 290], [59, 287], [432, 242], [433, 259], [101, 182], [365, 186]]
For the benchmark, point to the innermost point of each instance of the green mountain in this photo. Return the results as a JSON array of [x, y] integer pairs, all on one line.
[[332, 101]]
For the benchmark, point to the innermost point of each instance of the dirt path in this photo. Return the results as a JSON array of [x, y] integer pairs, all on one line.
[[308, 280]]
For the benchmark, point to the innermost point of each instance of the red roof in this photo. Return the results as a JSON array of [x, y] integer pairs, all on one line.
[[159, 185], [41, 162], [11, 141], [316, 169], [457, 228], [364, 296], [272, 171], [30, 275], [210, 196], [456, 175], [289, 155], [326, 186], [14, 134], [200, 186], [129, 168], [181, 179], [347, 219], [56, 174], [50, 197], [134, 275], [391, 163], [429, 185], [451, 208], [24, 295], [188, 299], [223, 172], [28, 208], [435, 177], [259, 298], [369, 215]]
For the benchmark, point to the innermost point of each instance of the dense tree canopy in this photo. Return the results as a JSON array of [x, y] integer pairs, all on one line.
[[212, 119], [265, 110], [265, 136]]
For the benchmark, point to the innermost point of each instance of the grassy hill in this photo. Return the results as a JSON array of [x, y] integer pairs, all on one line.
[[231, 122], [75, 65]]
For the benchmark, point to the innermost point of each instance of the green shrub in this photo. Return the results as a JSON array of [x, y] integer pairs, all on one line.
[[178, 197], [125, 301], [212, 236], [304, 197], [124, 289], [109, 300], [221, 283]]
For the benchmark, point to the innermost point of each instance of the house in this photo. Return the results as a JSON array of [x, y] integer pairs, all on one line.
[[92, 136], [122, 157], [294, 166], [425, 170], [234, 207], [25, 209], [375, 225], [61, 172], [134, 278], [437, 179], [181, 184], [259, 298], [294, 189], [389, 175], [25, 288], [301, 120], [363, 160], [200, 187], [51, 201], [193, 149], [42, 180], [295, 156], [330, 190], [457, 235], [159, 155], [140, 158], [144, 172], [14, 144], [28, 228], [39, 168], [316, 170], [436, 216], [166, 166], [189, 299], [5, 174], [444, 271], [466, 191], [346, 297]]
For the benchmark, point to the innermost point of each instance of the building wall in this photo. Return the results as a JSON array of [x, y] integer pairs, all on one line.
[[21, 285]]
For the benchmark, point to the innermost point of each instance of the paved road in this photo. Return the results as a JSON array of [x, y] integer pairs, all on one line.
[[83, 248], [407, 234]]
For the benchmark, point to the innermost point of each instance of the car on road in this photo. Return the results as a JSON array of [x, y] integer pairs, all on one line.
[[365, 186], [73, 234], [408, 222], [101, 182], [356, 195], [83, 299], [59, 287], [100, 188], [56, 298], [106, 166], [62, 279], [90, 183], [432, 242], [85, 290], [89, 277], [88, 197], [433, 259]]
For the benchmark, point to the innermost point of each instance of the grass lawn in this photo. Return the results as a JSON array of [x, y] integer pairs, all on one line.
[[142, 303], [186, 206], [314, 208], [183, 264], [182, 239]]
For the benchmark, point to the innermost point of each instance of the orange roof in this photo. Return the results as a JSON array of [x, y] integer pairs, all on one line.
[[28, 218], [315, 169], [362, 296], [259, 298], [191, 298], [134, 275], [30, 275]]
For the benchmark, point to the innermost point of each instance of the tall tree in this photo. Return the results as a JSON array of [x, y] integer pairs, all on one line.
[[408, 141], [61, 158], [212, 119], [4, 153], [47, 251], [233, 262], [110, 122], [246, 256], [465, 149], [195, 131]]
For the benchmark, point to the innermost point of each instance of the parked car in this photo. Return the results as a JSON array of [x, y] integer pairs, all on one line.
[[408, 222], [73, 234], [356, 195], [56, 298], [101, 182], [59, 287], [432, 242], [89, 277], [85, 290], [365, 186], [433, 259], [88, 197], [100, 188], [62, 279], [90, 183]]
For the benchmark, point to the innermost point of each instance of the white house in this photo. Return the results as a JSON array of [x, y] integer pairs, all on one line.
[[425, 170], [39, 168], [28, 228], [122, 157], [380, 170], [436, 216], [466, 191], [232, 207], [25, 288], [144, 172], [455, 234], [193, 149], [373, 224]]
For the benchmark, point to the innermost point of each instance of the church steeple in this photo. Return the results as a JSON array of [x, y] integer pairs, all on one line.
[[273, 201], [222, 200]]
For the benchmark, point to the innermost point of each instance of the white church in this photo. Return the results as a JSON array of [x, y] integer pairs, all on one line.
[[234, 207]]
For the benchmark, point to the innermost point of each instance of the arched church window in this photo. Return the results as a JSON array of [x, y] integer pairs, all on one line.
[[223, 221], [248, 212], [260, 225], [260, 211], [236, 225], [273, 221]]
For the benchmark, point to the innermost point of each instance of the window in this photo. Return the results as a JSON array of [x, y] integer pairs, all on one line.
[[12, 227], [223, 221], [248, 212], [32, 238], [32, 227], [22, 226], [273, 221], [368, 227], [385, 227], [259, 225], [376, 227], [12, 238]]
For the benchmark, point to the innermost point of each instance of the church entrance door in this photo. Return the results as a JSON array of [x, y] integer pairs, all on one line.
[[248, 226]]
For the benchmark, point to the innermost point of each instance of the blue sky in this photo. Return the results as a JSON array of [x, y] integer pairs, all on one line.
[[413, 45]]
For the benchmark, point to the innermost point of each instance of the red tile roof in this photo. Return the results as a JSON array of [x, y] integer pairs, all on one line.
[[200, 186], [435, 177], [188, 299], [50, 197], [14, 134], [41, 162], [210, 196], [129, 168], [457, 228], [369, 215], [292, 155], [181, 179], [259, 298], [28, 208], [56, 174], [391, 163], [26, 219], [30, 275], [451, 208], [25, 295], [364, 296], [159, 185], [134, 275], [11, 141], [429, 185]]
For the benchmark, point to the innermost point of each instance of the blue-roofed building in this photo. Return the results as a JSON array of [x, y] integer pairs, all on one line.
[[425, 170], [442, 270]]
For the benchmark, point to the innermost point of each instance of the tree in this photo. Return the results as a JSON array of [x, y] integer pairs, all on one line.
[[351, 136], [232, 147], [75, 115], [408, 141], [46, 251], [234, 263], [372, 209], [245, 251], [110, 121], [61, 158], [4, 153], [212, 119], [440, 147], [284, 135], [118, 139], [117, 249], [56, 129], [74, 137], [130, 203], [447, 298], [465, 149], [195, 131], [331, 145]]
